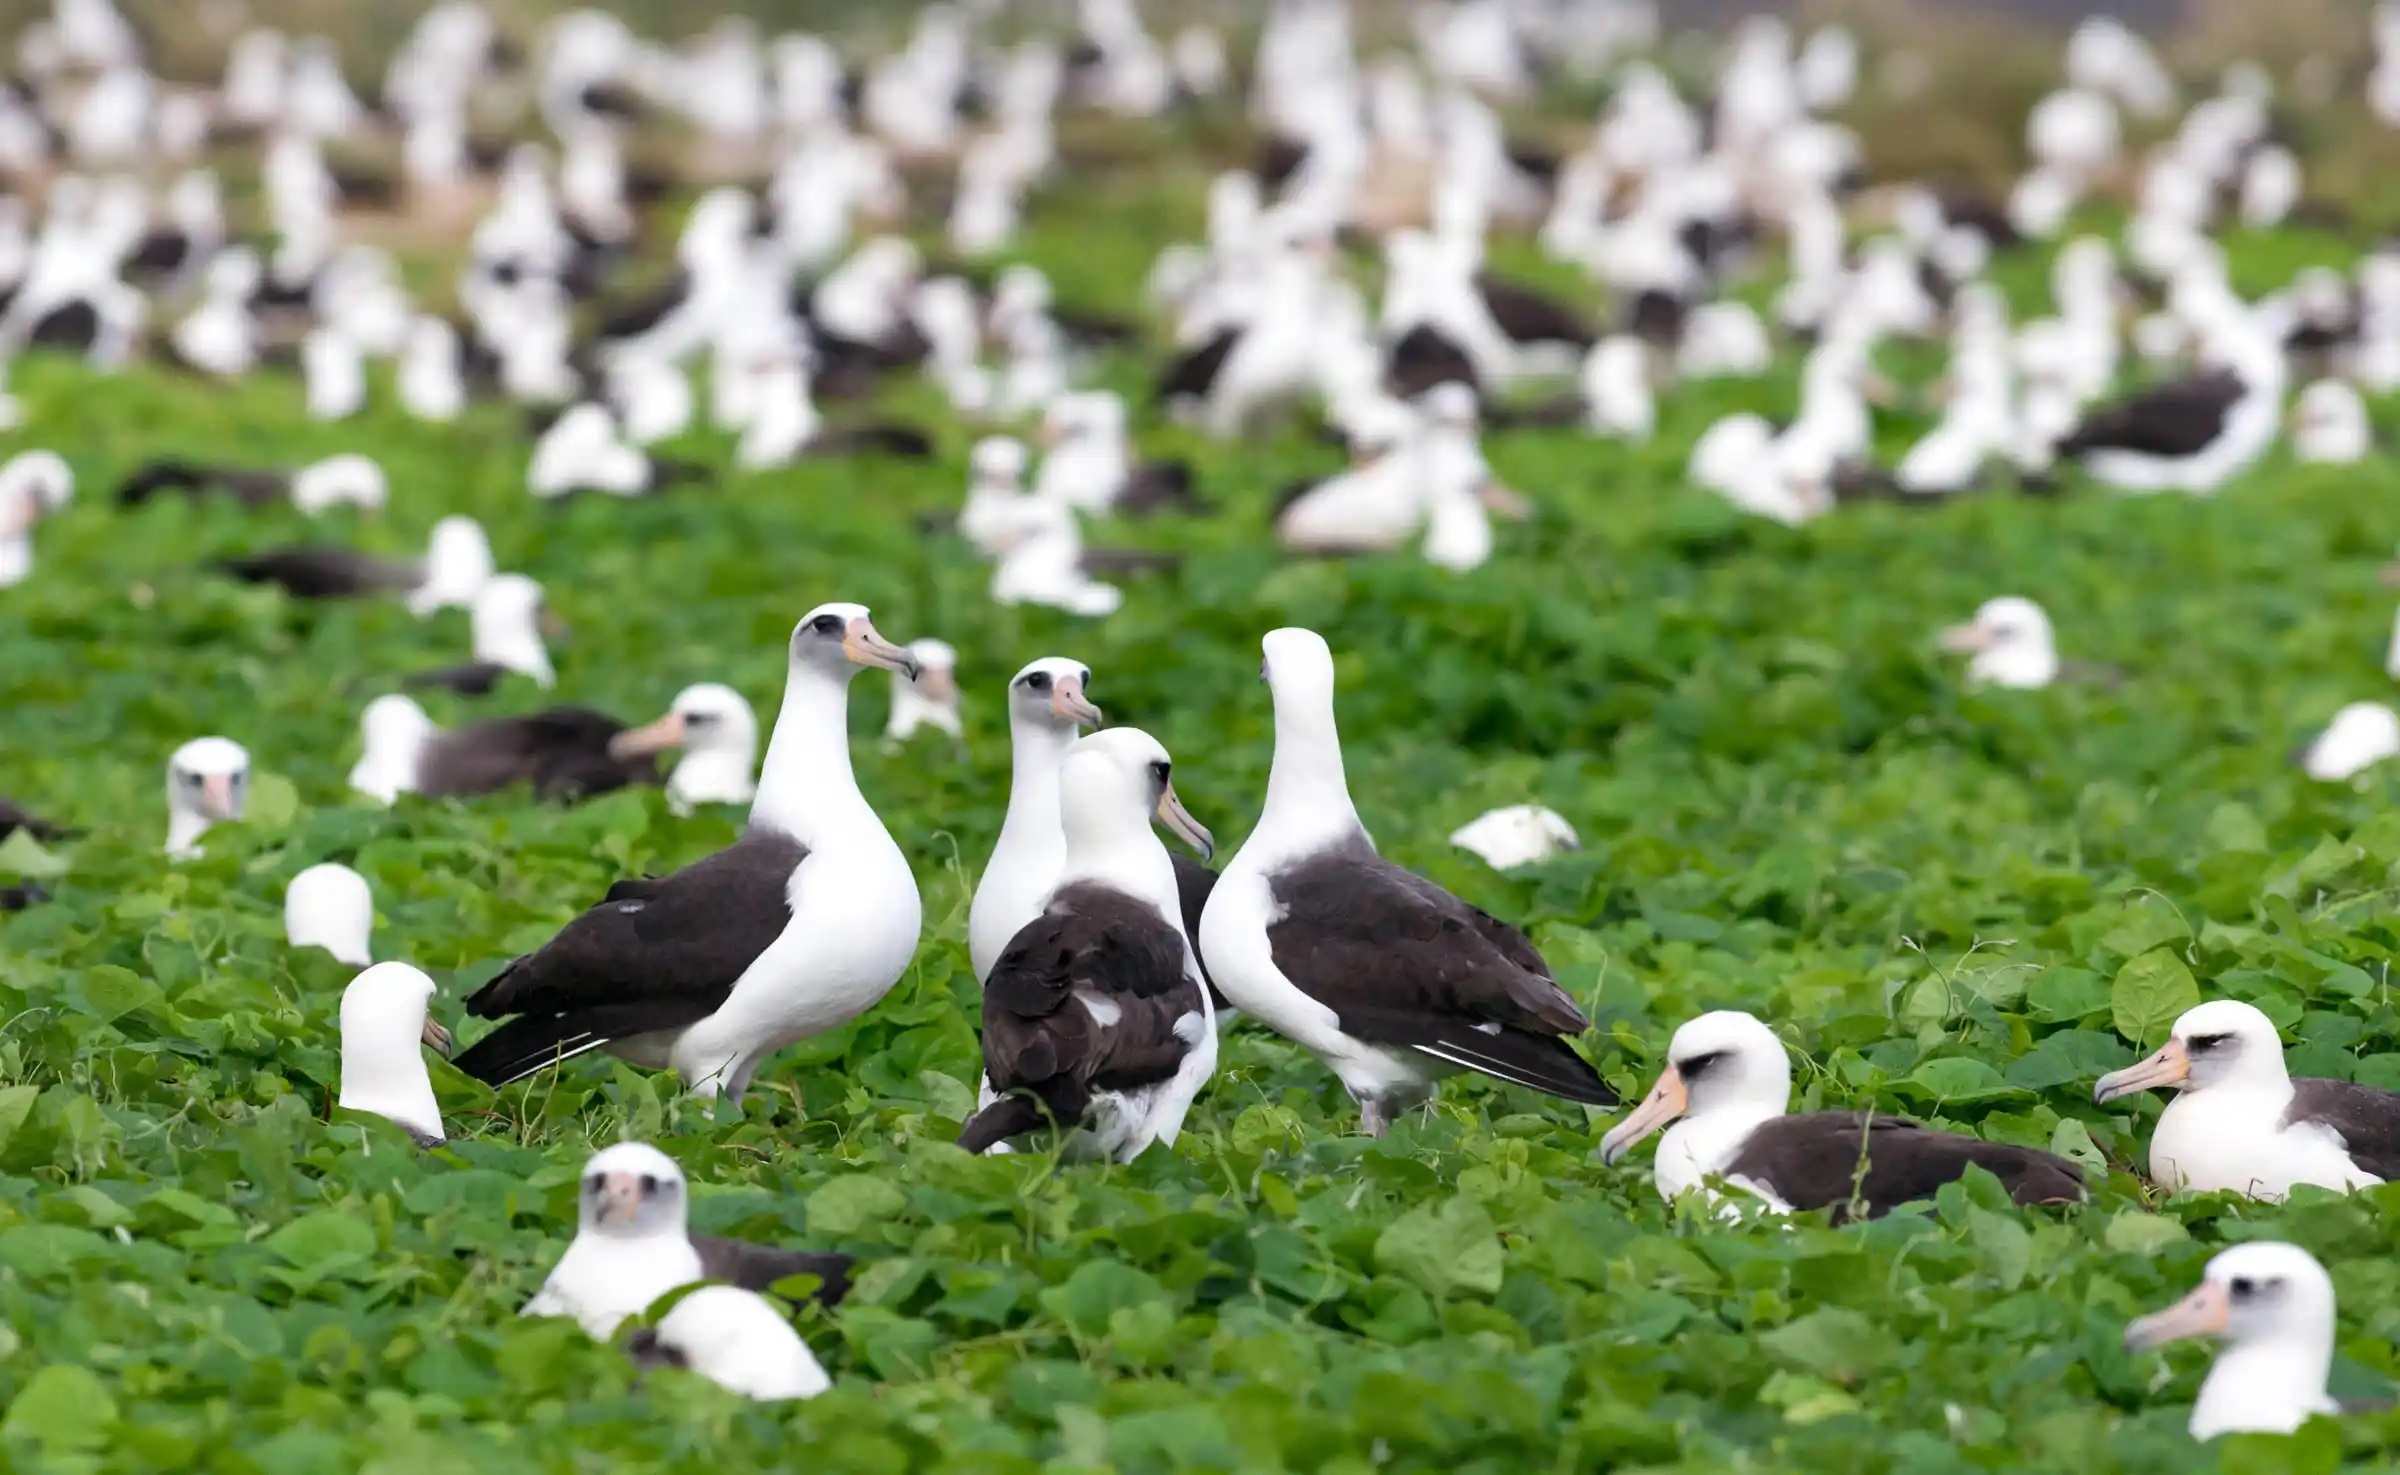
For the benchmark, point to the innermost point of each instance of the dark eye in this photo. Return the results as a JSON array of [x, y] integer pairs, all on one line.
[[1038, 681], [2201, 1044], [1693, 1067], [1161, 769], [1262, 670], [698, 719], [826, 625], [649, 1184], [2243, 1287], [594, 1183]]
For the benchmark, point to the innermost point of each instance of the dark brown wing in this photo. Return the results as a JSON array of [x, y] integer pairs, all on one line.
[[474, 679], [320, 573], [1423, 357], [661, 959], [1832, 1159], [1527, 316], [561, 751], [2177, 418], [1085, 999], [756, 1267], [1402, 962], [2367, 1120], [1156, 486], [1192, 374]]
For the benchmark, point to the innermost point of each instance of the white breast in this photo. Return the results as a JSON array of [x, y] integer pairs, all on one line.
[[2224, 1139]]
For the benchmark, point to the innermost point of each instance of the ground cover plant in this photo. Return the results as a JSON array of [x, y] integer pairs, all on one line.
[[1957, 904]]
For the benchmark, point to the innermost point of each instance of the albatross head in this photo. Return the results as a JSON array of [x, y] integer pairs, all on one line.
[[1048, 696], [2272, 1306], [1113, 783], [329, 906], [2011, 640], [836, 639], [383, 1022], [735, 1339], [1719, 1061], [207, 780], [707, 719], [632, 1191], [2224, 1041]]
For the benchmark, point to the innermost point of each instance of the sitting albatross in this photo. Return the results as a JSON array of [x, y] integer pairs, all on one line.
[[632, 1245], [383, 1073], [1387, 978], [2272, 1306], [797, 928], [1095, 1017], [1727, 1088], [2242, 1123], [736, 1339]]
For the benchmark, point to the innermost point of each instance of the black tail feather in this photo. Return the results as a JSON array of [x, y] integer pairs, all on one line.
[[1540, 1062], [1010, 1116]]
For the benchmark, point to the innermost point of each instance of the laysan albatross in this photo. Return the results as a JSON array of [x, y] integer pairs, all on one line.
[[2240, 1121], [1727, 1091], [383, 1073], [799, 927], [633, 1244], [1384, 976], [2272, 1307], [1095, 1017]]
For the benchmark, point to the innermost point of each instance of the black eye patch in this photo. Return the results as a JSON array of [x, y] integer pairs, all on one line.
[[2201, 1044], [1699, 1064]]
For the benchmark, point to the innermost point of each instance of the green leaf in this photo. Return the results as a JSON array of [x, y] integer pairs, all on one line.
[[1961, 1078], [273, 804], [850, 1204], [323, 1237], [1832, 1342], [1452, 1247], [2150, 993], [112, 992], [2235, 827], [16, 1103], [62, 1406], [23, 855], [2132, 1232], [2145, 923], [1097, 1291], [2072, 1140]]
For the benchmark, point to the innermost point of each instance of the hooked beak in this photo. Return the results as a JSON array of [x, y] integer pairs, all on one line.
[[2203, 1313], [437, 1037], [2171, 1066], [1667, 1101], [1967, 637], [1180, 823], [216, 797], [1068, 701], [620, 1198], [866, 648], [652, 737]]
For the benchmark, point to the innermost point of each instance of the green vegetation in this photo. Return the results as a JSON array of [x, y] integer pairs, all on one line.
[[1960, 905]]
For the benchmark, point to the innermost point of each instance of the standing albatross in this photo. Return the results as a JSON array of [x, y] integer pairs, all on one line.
[[1387, 978], [797, 928], [1095, 1016], [2242, 1123], [1728, 1088]]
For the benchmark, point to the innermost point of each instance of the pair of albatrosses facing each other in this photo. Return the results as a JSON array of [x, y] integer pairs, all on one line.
[[1089, 1016]]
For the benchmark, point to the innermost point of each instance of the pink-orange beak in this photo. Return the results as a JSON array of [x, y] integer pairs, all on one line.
[[651, 737], [867, 648], [216, 796], [1667, 1100], [2171, 1066], [2203, 1313], [1067, 701]]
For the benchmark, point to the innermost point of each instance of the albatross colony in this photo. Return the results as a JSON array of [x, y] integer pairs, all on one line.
[[798, 927]]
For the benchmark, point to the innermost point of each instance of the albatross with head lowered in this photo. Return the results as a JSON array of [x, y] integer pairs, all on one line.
[[799, 927]]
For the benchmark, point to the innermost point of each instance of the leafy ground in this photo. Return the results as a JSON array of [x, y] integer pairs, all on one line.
[[1960, 905]]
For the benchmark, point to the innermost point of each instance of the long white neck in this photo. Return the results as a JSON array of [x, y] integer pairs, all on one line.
[[16, 559], [711, 776], [806, 788], [184, 829], [1308, 796], [510, 640], [1030, 833], [1125, 854], [389, 1079], [2269, 1384]]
